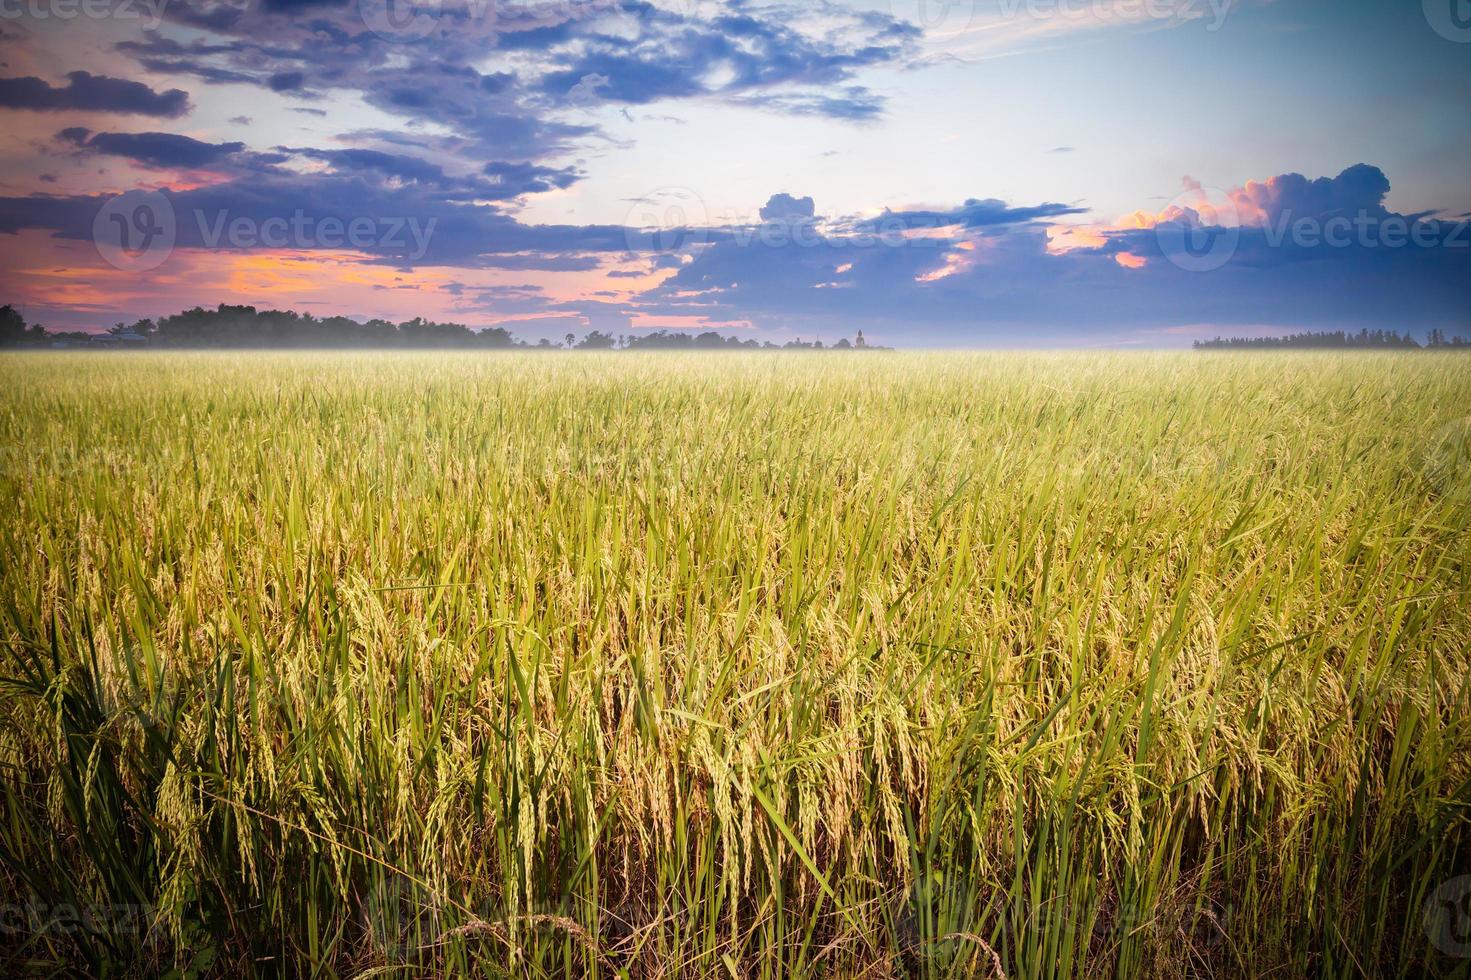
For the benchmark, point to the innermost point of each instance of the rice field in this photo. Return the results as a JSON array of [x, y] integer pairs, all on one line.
[[741, 666]]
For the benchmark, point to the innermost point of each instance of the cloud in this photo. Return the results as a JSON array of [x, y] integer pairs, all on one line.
[[852, 104], [736, 54], [529, 178], [988, 270], [1359, 189], [396, 166], [465, 234], [495, 181], [94, 93], [550, 58], [972, 29], [166, 150], [981, 271], [286, 81], [787, 206]]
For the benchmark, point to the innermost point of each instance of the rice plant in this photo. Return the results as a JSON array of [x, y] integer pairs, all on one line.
[[745, 666]]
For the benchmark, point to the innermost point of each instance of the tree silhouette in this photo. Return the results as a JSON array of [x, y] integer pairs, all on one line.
[[245, 327], [1326, 340], [12, 326]]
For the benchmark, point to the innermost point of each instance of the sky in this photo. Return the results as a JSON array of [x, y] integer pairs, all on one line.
[[936, 173]]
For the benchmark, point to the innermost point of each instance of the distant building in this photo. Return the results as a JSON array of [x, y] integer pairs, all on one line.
[[121, 339]]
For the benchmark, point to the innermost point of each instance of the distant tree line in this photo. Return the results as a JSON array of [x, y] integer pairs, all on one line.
[[246, 327], [1340, 340], [711, 340]]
